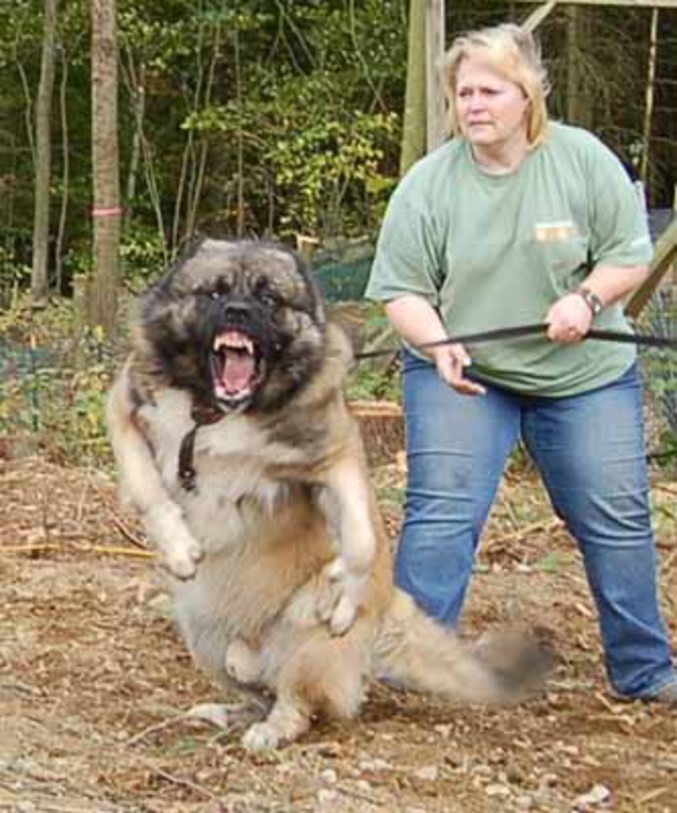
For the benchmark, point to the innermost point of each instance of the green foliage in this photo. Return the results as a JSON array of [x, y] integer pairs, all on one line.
[[659, 370], [314, 135], [391, 495], [374, 385], [53, 386], [275, 116], [14, 274], [283, 116], [326, 164], [376, 380], [321, 165], [142, 252]]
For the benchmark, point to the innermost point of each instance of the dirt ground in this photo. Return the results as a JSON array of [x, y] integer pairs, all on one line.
[[95, 683]]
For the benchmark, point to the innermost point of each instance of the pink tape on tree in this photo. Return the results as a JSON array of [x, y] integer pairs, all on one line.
[[107, 211]]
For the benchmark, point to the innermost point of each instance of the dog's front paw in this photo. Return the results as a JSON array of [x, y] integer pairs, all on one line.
[[183, 556], [340, 596], [178, 547], [261, 736]]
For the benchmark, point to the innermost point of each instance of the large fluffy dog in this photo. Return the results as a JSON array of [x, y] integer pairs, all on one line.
[[235, 443]]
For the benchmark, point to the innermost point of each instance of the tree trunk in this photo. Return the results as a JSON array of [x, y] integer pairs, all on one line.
[[240, 142], [414, 129], [649, 100], [136, 86], [573, 66], [65, 176], [436, 125], [105, 166], [43, 110]]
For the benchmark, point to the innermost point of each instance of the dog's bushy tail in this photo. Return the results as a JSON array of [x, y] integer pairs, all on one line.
[[415, 652]]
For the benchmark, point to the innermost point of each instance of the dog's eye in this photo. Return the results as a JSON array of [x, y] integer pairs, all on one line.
[[265, 294], [267, 298], [208, 293]]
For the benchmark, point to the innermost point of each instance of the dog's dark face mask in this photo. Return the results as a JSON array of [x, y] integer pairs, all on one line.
[[238, 324]]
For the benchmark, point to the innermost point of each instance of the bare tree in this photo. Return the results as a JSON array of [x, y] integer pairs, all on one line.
[[65, 175], [134, 78], [649, 98], [436, 124], [194, 164], [141, 155], [414, 125], [43, 157], [102, 301]]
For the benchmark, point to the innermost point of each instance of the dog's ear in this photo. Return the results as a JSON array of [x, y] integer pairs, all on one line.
[[163, 283], [203, 260], [165, 324]]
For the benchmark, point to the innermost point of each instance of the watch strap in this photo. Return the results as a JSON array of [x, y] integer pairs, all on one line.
[[590, 298]]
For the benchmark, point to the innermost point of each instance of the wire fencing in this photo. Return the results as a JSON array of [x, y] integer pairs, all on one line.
[[52, 392], [52, 398]]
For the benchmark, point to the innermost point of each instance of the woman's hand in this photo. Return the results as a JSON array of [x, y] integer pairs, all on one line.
[[451, 361], [418, 323], [569, 319]]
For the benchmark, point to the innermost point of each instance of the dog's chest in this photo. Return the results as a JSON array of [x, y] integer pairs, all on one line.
[[234, 490]]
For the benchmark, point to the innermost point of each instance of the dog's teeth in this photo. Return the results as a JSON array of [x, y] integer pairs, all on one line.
[[234, 341]]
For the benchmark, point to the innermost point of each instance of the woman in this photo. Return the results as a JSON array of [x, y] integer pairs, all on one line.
[[519, 220]]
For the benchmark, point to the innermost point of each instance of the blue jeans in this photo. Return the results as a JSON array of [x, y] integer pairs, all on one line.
[[589, 450]]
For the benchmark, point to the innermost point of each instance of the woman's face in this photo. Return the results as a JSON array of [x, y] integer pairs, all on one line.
[[491, 110]]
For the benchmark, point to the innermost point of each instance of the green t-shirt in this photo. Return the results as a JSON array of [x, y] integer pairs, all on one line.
[[490, 251]]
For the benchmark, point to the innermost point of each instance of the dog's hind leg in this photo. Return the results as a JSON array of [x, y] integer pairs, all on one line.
[[286, 721], [324, 675], [243, 714], [243, 662]]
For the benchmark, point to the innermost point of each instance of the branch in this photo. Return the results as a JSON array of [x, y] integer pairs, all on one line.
[[28, 114], [362, 60]]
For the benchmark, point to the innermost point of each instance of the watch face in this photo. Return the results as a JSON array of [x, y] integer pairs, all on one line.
[[591, 299], [595, 302]]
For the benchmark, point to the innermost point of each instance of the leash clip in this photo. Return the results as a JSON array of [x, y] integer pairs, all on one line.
[[203, 416]]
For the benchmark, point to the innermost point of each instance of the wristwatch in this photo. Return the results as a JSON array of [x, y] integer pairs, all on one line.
[[590, 298]]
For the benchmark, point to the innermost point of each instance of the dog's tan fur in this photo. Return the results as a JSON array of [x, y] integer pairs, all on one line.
[[281, 567]]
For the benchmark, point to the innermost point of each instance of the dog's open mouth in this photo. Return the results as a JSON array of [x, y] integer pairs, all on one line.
[[236, 367]]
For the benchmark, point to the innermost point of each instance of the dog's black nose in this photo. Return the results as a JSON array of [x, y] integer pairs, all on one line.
[[237, 311]]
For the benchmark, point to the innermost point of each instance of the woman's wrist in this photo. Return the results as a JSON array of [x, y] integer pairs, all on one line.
[[591, 299]]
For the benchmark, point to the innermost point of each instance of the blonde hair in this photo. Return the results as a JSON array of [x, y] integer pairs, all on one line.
[[513, 53]]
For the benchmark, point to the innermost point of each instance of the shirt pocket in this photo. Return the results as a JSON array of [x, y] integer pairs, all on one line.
[[562, 251]]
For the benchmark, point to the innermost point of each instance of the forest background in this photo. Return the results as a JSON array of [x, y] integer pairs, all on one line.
[[271, 118]]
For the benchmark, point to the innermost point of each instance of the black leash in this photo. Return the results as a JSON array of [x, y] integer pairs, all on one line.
[[646, 339], [205, 415]]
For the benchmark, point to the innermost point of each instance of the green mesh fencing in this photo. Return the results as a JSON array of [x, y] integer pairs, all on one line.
[[343, 281]]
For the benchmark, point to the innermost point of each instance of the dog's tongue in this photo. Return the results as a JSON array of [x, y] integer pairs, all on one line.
[[238, 370]]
